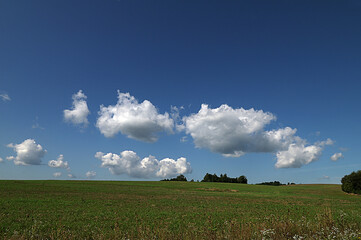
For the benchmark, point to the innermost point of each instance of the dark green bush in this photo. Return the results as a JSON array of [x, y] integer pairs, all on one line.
[[352, 183]]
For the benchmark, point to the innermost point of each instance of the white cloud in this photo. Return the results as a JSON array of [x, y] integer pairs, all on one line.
[[140, 121], [326, 177], [28, 153], [71, 175], [79, 112], [5, 97], [128, 162], [336, 156], [1, 159], [57, 174], [327, 142], [59, 163], [183, 139], [90, 174], [235, 132], [36, 124], [298, 155]]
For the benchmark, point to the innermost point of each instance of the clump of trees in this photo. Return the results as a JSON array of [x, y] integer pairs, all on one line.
[[274, 183], [180, 178], [224, 178], [352, 183]]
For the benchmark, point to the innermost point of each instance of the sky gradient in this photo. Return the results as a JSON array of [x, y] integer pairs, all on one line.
[[142, 90]]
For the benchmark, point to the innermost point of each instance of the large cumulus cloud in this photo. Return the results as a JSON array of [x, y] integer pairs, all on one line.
[[27, 153], [140, 121], [234, 132], [128, 162], [79, 112]]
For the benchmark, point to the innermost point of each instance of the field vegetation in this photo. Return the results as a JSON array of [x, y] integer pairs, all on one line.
[[175, 210]]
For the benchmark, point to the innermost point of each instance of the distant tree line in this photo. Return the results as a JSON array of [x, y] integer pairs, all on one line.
[[224, 178], [274, 183], [180, 178], [352, 183]]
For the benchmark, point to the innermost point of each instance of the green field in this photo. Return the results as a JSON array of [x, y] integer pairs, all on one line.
[[175, 210]]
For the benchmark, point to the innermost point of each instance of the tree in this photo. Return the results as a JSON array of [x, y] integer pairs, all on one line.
[[178, 178], [181, 178], [242, 179], [224, 178], [207, 178], [352, 183]]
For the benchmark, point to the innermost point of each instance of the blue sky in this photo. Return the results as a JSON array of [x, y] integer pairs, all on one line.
[[296, 63]]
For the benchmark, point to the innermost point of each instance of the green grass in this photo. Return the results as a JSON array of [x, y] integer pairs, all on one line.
[[175, 210]]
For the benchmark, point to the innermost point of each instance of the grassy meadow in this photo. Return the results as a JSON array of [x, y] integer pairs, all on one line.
[[175, 210]]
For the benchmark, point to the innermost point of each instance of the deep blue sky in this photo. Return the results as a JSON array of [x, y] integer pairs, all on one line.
[[299, 60]]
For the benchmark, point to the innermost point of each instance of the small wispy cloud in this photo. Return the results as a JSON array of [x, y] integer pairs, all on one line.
[[57, 174], [336, 156], [36, 124], [71, 175], [5, 97], [90, 174]]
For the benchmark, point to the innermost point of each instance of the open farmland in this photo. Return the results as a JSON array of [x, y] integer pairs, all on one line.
[[175, 210]]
